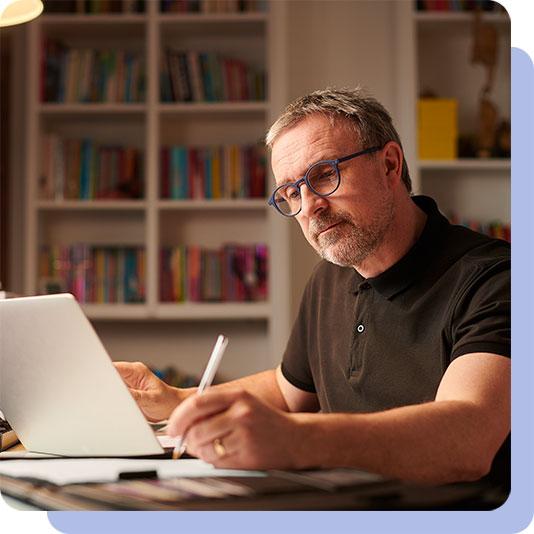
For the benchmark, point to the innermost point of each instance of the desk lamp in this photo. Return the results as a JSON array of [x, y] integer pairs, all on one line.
[[18, 11]]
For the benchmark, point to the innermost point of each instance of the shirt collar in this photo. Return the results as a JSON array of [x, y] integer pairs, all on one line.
[[411, 266]]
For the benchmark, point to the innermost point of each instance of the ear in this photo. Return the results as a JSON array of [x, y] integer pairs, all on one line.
[[393, 159]]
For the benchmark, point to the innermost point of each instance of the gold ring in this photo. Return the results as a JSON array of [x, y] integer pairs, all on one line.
[[219, 448]]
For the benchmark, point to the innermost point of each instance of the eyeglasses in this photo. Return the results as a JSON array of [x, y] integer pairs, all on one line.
[[322, 178]]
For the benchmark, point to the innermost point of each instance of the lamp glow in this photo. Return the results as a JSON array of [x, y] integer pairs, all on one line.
[[18, 11]]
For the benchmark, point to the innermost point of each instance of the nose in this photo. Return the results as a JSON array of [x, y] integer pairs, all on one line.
[[310, 202]]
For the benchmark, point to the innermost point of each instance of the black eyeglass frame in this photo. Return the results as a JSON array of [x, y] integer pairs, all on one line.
[[334, 162]]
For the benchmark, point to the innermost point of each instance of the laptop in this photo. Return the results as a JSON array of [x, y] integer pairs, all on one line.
[[59, 389]]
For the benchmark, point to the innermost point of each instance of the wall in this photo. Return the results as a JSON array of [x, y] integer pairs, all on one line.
[[341, 44]]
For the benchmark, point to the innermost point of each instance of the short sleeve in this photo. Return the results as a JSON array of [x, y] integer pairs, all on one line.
[[295, 364], [482, 318]]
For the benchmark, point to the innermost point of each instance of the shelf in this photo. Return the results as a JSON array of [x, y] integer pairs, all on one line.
[[214, 107], [116, 311], [207, 311], [82, 205], [87, 19], [222, 24], [90, 109], [187, 311], [466, 164], [202, 18], [222, 204], [447, 17]]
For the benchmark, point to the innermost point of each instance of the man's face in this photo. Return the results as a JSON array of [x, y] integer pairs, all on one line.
[[348, 226]]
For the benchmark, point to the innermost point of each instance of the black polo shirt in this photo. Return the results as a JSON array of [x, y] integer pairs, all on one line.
[[366, 345]]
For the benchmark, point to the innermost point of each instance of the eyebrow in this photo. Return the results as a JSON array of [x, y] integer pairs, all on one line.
[[292, 181]]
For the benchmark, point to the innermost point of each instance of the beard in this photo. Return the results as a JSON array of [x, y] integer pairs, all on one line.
[[348, 244]]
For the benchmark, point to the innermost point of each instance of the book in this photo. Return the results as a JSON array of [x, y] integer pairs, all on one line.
[[190, 76], [233, 272], [84, 75], [86, 170], [94, 274], [437, 128]]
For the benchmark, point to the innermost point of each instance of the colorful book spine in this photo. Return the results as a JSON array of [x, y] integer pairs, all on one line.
[[494, 228], [234, 272], [84, 75], [207, 77], [458, 5], [213, 6], [94, 274], [86, 170], [94, 7], [212, 172]]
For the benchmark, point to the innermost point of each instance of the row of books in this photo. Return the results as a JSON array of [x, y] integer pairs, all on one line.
[[231, 273], [230, 171], [189, 76], [85, 170], [94, 274], [459, 5], [94, 6], [166, 6], [496, 229], [212, 6], [87, 75]]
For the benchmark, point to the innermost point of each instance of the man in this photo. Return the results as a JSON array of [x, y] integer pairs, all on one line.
[[399, 360]]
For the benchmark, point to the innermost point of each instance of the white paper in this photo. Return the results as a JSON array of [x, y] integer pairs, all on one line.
[[6, 455], [73, 470], [166, 441]]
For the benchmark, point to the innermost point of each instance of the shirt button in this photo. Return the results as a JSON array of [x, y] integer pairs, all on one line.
[[365, 285], [360, 328]]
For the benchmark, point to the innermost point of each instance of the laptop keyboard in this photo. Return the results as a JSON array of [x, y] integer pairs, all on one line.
[[8, 438]]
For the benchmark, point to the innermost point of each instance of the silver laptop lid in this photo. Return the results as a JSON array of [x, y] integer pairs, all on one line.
[[58, 387]]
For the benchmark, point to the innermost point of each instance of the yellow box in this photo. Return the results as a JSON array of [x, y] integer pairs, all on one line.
[[437, 128]]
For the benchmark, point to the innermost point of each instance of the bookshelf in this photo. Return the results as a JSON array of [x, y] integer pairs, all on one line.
[[259, 329], [434, 53]]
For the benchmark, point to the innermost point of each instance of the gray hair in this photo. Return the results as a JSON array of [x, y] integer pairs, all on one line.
[[367, 117]]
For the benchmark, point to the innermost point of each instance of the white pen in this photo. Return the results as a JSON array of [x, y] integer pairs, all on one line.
[[205, 382]]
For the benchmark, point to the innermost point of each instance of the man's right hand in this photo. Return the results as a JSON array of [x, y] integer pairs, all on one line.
[[156, 399]]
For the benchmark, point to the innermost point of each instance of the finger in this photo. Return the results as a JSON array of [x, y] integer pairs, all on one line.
[[208, 453], [145, 403], [136, 394], [208, 429], [198, 407], [133, 373], [127, 372]]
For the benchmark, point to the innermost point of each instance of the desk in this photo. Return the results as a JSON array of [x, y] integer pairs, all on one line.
[[335, 489], [338, 489]]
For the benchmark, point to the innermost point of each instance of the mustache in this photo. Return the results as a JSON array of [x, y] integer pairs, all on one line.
[[323, 222]]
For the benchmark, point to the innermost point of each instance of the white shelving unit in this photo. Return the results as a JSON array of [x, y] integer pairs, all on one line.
[[259, 329], [435, 18], [433, 51], [473, 164]]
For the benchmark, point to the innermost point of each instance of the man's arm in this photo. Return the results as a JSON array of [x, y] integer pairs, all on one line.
[[263, 385], [272, 387], [157, 400], [450, 439]]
